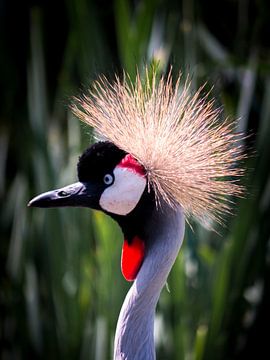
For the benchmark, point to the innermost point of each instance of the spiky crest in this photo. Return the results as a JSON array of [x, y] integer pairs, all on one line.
[[188, 153]]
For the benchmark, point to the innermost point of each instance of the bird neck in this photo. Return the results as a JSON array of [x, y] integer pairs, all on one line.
[[164, 232]]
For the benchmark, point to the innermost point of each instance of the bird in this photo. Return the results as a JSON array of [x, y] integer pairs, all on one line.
[[162, 155]]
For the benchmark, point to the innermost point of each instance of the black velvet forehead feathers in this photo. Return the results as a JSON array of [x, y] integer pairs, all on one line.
[[98, 160]]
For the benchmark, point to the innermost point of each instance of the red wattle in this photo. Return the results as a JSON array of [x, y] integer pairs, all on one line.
[[132, 164], [132, 258]]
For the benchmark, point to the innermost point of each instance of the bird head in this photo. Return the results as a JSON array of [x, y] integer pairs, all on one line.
[[109, 179], [166, 146], [114, 182]]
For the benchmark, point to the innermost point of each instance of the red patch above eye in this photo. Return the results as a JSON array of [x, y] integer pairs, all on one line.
[[132, 258], [132, 164]]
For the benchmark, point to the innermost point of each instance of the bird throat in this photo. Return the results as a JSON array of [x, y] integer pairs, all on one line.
[[133, 252], [134, 227]]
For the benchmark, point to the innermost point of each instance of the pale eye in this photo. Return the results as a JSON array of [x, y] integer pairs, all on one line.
[[108, 179]]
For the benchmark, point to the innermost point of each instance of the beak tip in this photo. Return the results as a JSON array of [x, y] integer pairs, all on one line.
[[31, 203], [37, 201]]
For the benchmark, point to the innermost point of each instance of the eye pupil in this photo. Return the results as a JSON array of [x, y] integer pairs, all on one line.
[[62, 193], [108, 179]]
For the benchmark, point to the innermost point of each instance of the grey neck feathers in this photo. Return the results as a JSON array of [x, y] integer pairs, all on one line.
[[134, 338]]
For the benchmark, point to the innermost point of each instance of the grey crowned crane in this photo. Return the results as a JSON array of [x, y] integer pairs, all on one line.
[[166, 157]]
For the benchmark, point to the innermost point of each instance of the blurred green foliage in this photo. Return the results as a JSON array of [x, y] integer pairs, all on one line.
[[61, 288]]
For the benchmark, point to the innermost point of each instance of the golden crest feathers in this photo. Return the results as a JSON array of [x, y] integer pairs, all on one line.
[[189, 154]]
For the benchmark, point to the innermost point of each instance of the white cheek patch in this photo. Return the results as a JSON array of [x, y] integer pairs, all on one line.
[[124, 194]]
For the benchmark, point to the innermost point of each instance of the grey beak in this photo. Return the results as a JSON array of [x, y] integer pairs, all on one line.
[[77, 194]]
